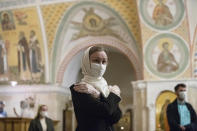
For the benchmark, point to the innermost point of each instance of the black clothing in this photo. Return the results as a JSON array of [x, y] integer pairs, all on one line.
[[94, 114], [35, 125], [174, 118]]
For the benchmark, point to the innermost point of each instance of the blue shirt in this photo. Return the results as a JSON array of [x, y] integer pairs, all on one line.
[[3, 114], [184, 114]]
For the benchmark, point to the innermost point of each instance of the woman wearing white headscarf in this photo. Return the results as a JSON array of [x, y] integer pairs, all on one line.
[[96, 104]]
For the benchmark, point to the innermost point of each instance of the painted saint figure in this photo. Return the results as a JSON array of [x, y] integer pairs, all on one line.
[[23, 57], [21, 17], [161, 14], [166, 62], [6, 22], [35, 57], [3, 57]]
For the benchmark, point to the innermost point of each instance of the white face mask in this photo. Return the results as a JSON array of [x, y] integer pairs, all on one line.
[[182, 95], [98, 70], [43, 113]]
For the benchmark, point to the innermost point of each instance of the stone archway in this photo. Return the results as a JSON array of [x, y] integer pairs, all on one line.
[[78, 16], [107, 41]]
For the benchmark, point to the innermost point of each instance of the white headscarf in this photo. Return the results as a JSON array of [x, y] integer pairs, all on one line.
[[98, 83]]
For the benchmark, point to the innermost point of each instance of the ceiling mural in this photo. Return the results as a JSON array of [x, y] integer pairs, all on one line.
[[21, 46], [166, 55], [52, 15], [86, 19], [128, 11], [162, 14], [94, 25], [94, 19]]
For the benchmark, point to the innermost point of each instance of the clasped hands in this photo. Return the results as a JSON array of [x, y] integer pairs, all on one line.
[[89, 89]]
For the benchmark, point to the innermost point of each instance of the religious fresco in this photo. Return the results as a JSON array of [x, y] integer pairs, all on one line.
[[162, 14], [7, 21], [53, 14], [90, 19], [162, 102], [94, 25], [21, 47], [166, 55]]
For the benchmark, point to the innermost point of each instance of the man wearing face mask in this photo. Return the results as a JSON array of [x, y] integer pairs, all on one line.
[[3, 113], [41, 122], [181, 115]]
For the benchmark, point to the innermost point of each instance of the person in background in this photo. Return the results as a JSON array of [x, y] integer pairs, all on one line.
[[96, 104], [41, 121], [180, 114], [3, 113]]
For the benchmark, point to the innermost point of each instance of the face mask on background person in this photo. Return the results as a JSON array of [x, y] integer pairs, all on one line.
[[182, 95], [43, 113], [98, 70]]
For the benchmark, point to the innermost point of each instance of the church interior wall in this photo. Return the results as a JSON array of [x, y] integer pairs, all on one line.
[[37, 95], [141, 34], [157, 31], [121, 77]]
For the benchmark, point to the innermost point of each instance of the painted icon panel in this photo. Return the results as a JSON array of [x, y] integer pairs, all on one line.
[[166, 55], [162, 14], [162, 102], [21, 46]]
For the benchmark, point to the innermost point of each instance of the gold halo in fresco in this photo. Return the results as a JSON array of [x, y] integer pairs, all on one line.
[[93, 22], [169, 41]]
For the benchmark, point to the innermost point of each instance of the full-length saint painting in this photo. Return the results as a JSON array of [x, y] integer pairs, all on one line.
[[21, 47]]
